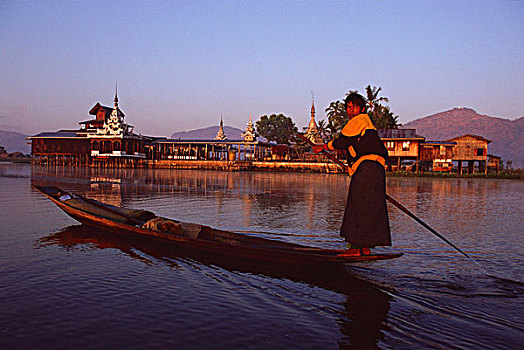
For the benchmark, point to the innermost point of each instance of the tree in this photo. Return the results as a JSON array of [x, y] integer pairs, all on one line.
[[278, 128], [324, 130], [383, 118], [380, 115], [337, 117], [373, 100]]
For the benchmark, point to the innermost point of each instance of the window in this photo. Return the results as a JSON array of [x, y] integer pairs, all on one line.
[[405, 146], [107, 147], [390, 145], [479, 152]]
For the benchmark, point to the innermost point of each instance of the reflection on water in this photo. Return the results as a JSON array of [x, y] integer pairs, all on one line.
[[70, 286], [361, 322]]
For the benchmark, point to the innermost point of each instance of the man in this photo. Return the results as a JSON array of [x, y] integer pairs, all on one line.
[[366, 223]]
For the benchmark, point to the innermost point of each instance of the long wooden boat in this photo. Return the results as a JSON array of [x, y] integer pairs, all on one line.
[[195, 237]]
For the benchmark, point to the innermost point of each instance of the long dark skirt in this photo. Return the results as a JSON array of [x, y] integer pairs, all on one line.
[[366, 221]]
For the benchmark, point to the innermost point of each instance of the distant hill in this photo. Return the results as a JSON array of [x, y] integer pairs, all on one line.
[[208, 133], [14, 142], [507, 136]]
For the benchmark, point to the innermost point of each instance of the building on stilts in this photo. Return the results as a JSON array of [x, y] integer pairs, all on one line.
[[105, 141]]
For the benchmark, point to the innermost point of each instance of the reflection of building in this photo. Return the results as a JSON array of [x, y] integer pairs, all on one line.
[[403, 147], [106, 141], [471, 149]]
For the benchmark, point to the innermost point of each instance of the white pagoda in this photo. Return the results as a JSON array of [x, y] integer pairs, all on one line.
[[249, 135], [221, 135]]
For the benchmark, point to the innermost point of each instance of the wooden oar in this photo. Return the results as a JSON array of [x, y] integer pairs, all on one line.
[[326, 153], [393, 201]]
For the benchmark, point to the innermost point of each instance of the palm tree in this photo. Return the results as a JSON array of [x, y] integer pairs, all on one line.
[[383, 118], [337, 117], [392, 120], [334, 109], [333, 129], [373, 99], [324, 131], [380, 115]]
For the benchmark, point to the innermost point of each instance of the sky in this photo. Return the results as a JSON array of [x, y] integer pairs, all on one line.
[[181, 65]]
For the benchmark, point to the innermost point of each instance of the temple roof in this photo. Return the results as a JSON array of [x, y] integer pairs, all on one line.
[[107, 110], [57, 134], [92, 121]]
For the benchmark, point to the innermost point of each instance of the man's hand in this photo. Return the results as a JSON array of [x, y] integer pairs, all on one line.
[[319, 148]]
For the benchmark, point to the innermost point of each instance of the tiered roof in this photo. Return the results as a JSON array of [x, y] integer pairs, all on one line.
[[221, 135]]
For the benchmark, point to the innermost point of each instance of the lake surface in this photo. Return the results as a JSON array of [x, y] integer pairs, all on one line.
[[67, 286]]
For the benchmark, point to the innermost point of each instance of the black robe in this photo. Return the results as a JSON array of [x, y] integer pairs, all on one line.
[[366, 222]]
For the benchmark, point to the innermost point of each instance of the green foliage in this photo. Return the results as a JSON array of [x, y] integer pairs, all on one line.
[[373, 99], [381, 116], [278, 128], [324, 130], [337, 117]]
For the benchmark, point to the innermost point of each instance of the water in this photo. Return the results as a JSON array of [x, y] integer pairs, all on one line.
[[64, 285]]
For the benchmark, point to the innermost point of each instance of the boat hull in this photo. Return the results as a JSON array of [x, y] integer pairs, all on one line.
[[209, 240]]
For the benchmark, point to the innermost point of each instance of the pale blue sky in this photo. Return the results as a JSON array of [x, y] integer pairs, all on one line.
[[181, 64]]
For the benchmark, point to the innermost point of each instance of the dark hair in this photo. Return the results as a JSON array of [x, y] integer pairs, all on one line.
[[356, 99]]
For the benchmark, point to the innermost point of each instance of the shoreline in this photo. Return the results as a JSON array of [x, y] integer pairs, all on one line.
[[514, 175], [275, 166]]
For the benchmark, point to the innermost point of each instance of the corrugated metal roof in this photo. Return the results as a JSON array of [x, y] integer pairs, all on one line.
[[205, 141], [198, 141], [440, 143], [471, 135], [56, 134], [398, 133]]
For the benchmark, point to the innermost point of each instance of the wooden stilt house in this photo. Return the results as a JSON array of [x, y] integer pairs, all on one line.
[[436, 156], [473, 150], [104, 141], [403, 147]]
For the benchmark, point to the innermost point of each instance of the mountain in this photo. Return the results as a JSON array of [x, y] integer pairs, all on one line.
[[14, 142], [208, 133], [507, 136]]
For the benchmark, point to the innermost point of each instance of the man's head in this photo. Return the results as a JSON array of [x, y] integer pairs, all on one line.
[[355, 104]]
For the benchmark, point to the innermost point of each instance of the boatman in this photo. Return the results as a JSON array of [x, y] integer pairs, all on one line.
[[365, 224]]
